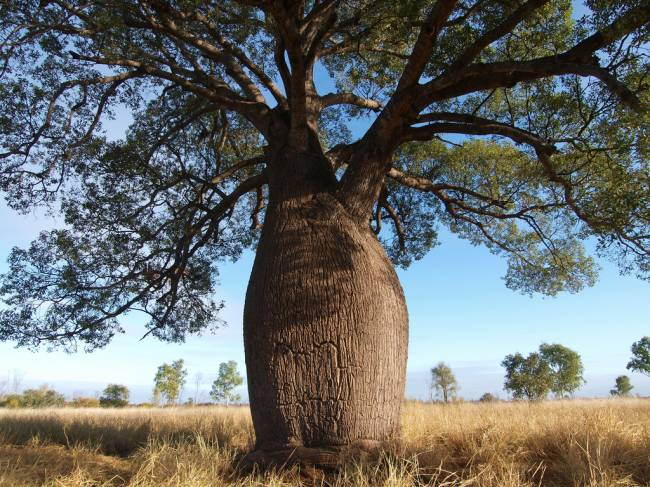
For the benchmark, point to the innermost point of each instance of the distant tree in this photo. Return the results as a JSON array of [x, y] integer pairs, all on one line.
[[223, 387], [443, 382], [623, 386], [640, 361], [11, 401], [198, 380], [155, 397], [527, 377], [488, 397], [566, 368], [170, 379], [115, 396], [43, 397], [84, 402]]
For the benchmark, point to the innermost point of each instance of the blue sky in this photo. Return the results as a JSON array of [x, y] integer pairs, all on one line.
[[460, 312]]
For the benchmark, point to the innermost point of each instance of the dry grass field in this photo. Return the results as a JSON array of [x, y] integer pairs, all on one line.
[[557, 443]]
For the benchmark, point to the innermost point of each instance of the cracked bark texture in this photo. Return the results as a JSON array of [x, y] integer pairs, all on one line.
[[325, 332]]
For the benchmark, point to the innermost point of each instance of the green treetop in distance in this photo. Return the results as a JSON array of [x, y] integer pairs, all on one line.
[[510, 123], [443, 382], [528, 377], [555, 368], [566, 368], [169, 381], [623, 386], [43, 397], [640, 361], [115, 395], [226, 382], [488, 397]]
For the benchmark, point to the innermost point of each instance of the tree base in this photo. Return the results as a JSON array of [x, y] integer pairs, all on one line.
[[323, 458]]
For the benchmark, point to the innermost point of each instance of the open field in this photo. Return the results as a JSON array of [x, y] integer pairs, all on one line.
[[563, 443]]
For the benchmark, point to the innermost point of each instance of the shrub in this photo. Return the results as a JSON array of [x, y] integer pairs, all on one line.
[[84, 402], [488, 397], [11, 401], [115, 396], [43, 397]]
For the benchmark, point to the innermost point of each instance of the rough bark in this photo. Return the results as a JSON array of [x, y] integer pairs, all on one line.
[[325, 332]]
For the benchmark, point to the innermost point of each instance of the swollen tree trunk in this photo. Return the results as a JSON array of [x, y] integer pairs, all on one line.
[[325, 333]]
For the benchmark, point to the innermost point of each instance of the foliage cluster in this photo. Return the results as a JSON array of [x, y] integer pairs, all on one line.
[[443, 382], [115, 395], [42, 397], [512, 124], [554, 368], [623, 386], [640, 361], [169, 381], [224, 385]]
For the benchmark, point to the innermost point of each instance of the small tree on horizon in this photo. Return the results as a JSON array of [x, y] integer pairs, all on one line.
[[488, 397], [443, 382], [640, 361], [115, 396], [553, 368], [224, 385], [169, 381], [43, 397], [528, 378], [566, 368], [623, 386]]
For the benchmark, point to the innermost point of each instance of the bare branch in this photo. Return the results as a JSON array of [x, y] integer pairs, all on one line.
[[350, 99]]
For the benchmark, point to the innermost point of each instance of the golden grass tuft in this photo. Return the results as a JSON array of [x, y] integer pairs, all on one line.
[[598, 443]]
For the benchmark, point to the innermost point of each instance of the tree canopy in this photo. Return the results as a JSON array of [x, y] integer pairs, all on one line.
[[43, 397], [640, 361], [115, 395], [527, 377], [170, 380], [223, 387], [623, 386], [443, 382], [554, 368], [518, 125], [566, 367]]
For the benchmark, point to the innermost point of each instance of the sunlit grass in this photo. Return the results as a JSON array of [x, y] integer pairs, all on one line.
[[556, 443]]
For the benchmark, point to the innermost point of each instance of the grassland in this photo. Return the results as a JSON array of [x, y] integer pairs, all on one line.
[[557, 443]]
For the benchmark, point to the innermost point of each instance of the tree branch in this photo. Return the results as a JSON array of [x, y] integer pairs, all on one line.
[[462, 123], [350, 99], [496, 33], [577, 60], [424, 44]]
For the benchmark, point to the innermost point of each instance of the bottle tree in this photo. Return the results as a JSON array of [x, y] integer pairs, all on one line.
[[335, 137]]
